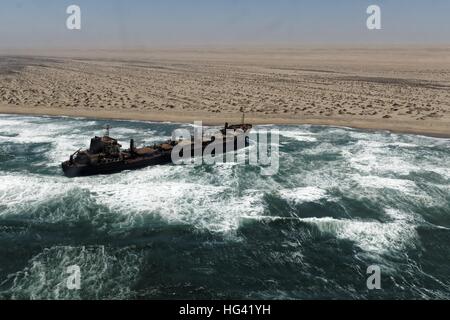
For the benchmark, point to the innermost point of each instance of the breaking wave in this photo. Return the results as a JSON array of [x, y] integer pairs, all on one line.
[[341, 196]]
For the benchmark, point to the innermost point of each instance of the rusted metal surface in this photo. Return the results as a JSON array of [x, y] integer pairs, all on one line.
[[105, 155]]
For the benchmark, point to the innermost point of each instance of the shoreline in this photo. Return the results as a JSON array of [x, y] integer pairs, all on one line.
[[401, 91], [437, 129]]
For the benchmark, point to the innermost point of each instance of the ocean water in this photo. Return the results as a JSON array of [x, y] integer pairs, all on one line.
[[343, 200]]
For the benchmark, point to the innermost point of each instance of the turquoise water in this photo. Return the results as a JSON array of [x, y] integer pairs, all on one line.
[[342, 200]]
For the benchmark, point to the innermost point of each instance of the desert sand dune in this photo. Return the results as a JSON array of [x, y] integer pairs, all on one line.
[[400, 89]]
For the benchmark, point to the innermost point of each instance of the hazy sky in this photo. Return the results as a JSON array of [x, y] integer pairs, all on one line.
[[149, 23]]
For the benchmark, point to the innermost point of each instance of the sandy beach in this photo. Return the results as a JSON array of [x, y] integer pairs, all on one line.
[[403, 89]]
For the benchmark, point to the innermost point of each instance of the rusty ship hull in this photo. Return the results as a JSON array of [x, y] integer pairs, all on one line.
[[73, 171], [105, 157]]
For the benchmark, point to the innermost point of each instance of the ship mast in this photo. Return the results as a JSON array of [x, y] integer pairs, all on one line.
[[107, 129], [243, 116]]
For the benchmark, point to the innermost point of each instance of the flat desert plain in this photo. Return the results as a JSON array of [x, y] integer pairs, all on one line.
[[402, 89]]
